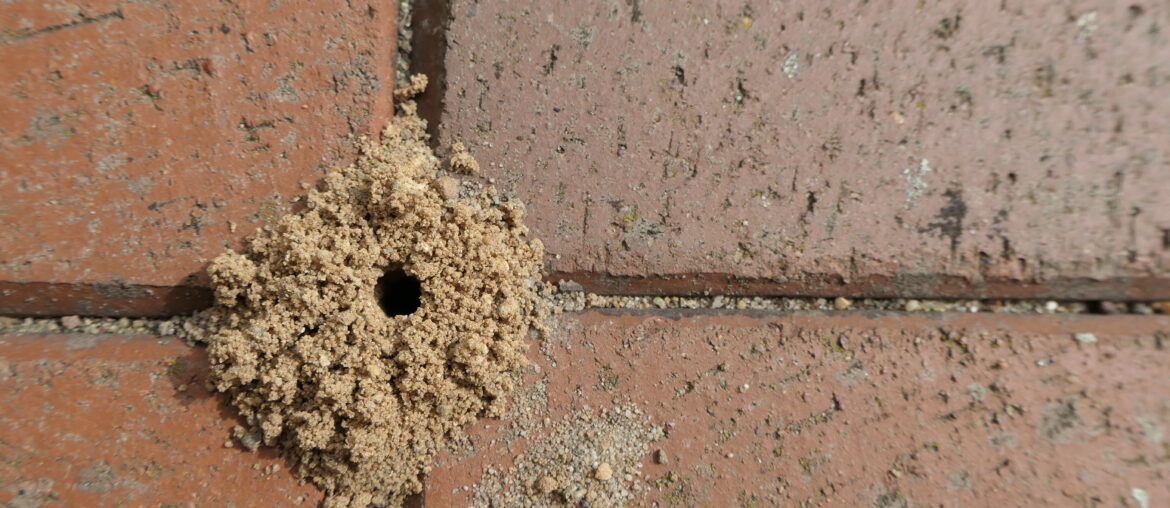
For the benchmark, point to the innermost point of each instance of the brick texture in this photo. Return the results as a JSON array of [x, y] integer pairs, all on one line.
[[847, 408], [124, 421], [862, 410], [140, 140], [942, 149]]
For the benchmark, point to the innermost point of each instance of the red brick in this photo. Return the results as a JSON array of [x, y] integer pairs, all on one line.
[[936, 149], [142, 139], [853, 409], [103, 421]]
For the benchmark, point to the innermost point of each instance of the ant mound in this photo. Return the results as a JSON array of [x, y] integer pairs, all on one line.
[[363, 332]]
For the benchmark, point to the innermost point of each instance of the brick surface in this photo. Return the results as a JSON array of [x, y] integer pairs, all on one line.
[[877, 148], [863, 410], [141, 139], [102, 421]]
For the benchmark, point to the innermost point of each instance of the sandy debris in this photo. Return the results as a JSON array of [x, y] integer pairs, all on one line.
[[412, 87], [315, 339], [461, 159], [573, 298], [603, 472], [586, 458]]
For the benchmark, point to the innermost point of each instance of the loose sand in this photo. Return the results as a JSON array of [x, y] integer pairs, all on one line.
[[304, 341]]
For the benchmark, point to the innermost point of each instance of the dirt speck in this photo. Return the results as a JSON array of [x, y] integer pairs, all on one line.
[[1085, 338], [546, 485], [461, 159], [448, 187], [98, 478], [414, 86], [1058, 420], [603, 472], [70, 322], [891, 499], [30, 494]]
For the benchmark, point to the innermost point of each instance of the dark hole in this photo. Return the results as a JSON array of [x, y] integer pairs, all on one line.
[[398, 294]]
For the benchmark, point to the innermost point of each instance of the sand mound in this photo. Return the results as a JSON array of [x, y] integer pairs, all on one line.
[[363, 332]]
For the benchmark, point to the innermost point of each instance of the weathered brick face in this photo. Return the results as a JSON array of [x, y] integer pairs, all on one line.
[[854, 410], [841, 408], [879, 148], [142, 139], [125, 420]]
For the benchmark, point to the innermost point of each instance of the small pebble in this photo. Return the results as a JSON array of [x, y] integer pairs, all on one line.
[[1112, 308], [603, 472], [660, 457], [250, 441], [546, 484], [70, 322], [568, 286], [448, 187], [842, 303], [1141, 496], [1086, 338]]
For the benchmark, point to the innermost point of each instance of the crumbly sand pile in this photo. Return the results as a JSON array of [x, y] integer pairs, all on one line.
[[359, 399]]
